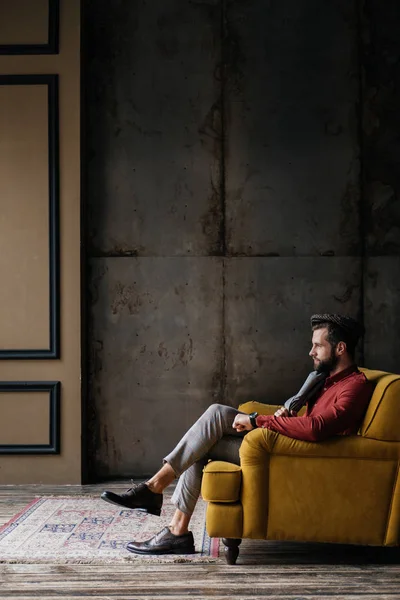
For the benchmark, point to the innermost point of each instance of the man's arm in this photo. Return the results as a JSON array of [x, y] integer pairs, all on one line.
[[345, 413]]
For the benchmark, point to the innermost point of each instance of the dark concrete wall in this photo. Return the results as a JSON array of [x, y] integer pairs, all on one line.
[[381, 170], [242, 174]]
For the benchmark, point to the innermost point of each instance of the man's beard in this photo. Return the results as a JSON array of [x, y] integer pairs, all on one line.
[[327, 365]]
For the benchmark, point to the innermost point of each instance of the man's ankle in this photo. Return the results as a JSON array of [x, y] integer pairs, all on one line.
[[153, 487], [176, 530]]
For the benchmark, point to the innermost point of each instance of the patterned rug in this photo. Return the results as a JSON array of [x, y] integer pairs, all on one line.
[[88, 530]]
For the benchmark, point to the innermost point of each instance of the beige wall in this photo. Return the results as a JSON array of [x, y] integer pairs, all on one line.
[[24, 239], [24, 300]]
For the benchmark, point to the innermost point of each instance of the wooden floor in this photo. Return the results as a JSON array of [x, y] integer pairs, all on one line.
[[264, 570]]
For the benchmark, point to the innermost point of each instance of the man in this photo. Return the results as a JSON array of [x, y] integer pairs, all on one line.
[[336, 394]]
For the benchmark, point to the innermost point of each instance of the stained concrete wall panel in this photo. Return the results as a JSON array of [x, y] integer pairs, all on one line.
[[382, 313], [153, 98], [156, 356], [381, 126], [268, 306], [292, 156]]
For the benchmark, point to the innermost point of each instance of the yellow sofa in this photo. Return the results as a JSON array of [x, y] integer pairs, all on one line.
[[344, 490]]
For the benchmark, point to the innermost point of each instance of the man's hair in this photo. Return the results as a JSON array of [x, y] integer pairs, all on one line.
[[336, 334]]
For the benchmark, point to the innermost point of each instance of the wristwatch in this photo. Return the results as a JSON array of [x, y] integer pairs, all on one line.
[[253, 416]]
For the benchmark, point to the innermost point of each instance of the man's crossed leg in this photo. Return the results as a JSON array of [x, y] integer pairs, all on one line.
[[211, 437]]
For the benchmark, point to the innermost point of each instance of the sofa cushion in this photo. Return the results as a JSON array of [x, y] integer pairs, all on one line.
[[381, 421], [221, 482]]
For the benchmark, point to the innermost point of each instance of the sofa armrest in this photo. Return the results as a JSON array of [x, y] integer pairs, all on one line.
[[354, 446], [271, 443], [262, 409]]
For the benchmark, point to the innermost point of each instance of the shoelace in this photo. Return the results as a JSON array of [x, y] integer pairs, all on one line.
[[161, 534], [133, 488]]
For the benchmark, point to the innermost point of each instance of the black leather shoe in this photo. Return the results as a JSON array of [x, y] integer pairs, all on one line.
[[139, 497], [164, 542]]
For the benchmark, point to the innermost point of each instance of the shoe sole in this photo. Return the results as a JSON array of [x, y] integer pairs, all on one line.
[[150, 511], [175, 551]]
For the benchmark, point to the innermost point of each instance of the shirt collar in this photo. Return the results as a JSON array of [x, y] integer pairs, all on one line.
[[341, 375]]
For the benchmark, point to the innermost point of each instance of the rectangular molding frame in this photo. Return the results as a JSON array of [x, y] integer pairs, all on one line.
[[52, 41], [54, 225], [54, 387]]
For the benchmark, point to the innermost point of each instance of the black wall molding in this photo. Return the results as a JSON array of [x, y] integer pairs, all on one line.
[[54, 227], [51, 47], [54, 389]]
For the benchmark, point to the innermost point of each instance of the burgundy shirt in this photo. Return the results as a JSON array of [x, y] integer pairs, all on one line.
[[338, 410]]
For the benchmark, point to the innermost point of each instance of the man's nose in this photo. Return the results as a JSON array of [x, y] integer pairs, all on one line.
[[311, 353]]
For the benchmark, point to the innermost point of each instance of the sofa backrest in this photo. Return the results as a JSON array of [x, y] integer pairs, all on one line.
[[382, 419]]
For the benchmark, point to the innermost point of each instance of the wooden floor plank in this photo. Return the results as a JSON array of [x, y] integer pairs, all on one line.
[[200, 596]]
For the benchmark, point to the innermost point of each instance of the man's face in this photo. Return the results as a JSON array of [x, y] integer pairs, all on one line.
[[322, 353]]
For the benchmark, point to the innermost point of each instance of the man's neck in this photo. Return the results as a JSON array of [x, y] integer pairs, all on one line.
[[342, 366]]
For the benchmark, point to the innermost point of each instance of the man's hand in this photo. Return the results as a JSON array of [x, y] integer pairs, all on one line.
[[242, 423], [283, 412]]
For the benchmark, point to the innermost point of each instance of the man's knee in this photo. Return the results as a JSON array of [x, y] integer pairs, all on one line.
[[218, 409]]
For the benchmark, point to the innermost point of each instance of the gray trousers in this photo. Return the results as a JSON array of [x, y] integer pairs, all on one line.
[[212, 436]]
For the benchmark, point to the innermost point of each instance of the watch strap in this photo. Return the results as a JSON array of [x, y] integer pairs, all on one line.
[[253, 416]]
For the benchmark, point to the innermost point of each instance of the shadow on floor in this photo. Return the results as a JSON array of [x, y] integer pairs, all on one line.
[[290, 553]]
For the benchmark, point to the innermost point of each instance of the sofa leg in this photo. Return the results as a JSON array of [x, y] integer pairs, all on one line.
[[231, 549]]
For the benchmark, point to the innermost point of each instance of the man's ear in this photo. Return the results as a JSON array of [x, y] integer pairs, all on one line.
[[341, 348]]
